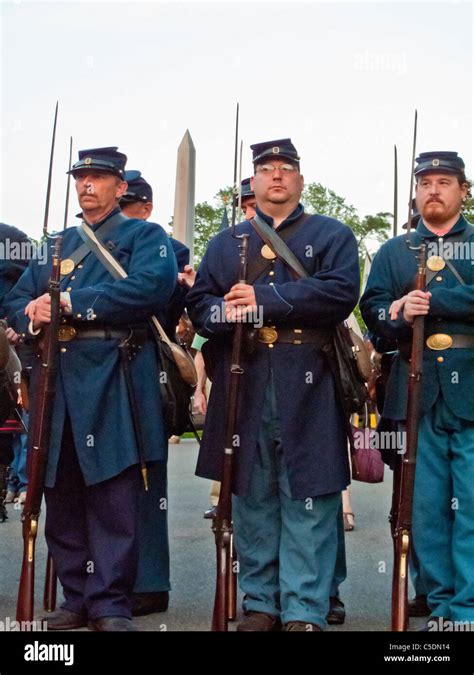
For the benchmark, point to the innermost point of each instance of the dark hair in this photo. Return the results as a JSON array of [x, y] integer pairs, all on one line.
[[464, 181]]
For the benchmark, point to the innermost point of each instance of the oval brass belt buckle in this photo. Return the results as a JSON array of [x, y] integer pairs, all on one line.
[[267, 335], [66, 333], [439, 341]]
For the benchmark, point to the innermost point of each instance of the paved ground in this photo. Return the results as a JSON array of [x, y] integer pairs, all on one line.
[[366, 592]]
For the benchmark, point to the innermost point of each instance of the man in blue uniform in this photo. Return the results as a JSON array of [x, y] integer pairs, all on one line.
[[93, 479], [248, 202], [152, 586], [14, 249], [443, 508], [291, 463]]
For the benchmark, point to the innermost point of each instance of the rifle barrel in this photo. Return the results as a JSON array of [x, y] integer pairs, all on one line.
[[39, 445]]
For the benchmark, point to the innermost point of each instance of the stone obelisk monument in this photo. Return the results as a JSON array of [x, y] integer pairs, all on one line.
[[183, 218]]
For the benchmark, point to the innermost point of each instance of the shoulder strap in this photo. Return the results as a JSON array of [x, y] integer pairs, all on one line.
[[276, 242], [92, 241], [105, 230], [460, 237]]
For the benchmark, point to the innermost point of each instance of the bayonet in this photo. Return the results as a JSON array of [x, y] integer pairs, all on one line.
[[50, 174]]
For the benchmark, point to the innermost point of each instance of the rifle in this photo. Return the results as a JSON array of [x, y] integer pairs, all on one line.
[[405, 468], [226, 594], [222, 525], [39, 444], [51, 579], [405, 465]]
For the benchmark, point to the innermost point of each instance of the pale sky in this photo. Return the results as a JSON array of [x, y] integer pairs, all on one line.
[[342, 79]]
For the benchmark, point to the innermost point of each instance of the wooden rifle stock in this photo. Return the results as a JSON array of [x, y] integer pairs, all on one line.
[[39, 444], [404, 472], [222, 525]]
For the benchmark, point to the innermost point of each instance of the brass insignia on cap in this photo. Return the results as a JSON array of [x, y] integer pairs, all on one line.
[[435, 162], [267, 252], [67, 266], [88, 160], [276, 150], [435, 263]]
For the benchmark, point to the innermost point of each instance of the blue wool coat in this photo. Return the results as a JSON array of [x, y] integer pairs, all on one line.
[[90, 385], [312, 427], [10, 269], [391, 276]]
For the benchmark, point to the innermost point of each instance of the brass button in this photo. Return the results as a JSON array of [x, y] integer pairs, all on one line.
[[73, 277], [271, 283], [63, 349], [80, 267], [270, 346], [79, 316], [94, 316], [68, 289], [439, 278], [440, 359], [271, 273]]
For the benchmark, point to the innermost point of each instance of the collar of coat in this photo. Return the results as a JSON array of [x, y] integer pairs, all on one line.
[[459, 226], [291, 218], [101, 222]]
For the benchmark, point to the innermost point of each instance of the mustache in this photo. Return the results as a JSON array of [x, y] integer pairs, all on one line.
[[434, 200]]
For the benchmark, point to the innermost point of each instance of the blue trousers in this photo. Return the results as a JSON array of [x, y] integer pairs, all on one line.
[[153, 546], [286, 547], [443, 512], [18, 481], [415, 573], [91, 532], [340, 568]]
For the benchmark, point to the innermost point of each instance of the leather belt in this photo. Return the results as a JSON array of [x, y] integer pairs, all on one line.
[[68, 333], [295, 336], [440, 341]]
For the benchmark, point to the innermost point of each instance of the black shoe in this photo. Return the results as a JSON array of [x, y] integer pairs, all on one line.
[[434, 624], [259, 622], [337, 613], [64, 619], [418, 606], [149, 603], [211, 512], [112, 624], [301, 627]]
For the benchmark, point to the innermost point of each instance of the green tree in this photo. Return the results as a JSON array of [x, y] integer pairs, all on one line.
[[468, 209], [208, 219], [319, 199]]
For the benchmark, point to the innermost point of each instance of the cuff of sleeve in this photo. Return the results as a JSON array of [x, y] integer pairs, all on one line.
[[216, 322], [31, 331], [66, 296], [275, 307], [399, 329]]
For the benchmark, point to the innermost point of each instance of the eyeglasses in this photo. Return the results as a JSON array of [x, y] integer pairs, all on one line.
[[267, 169]]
